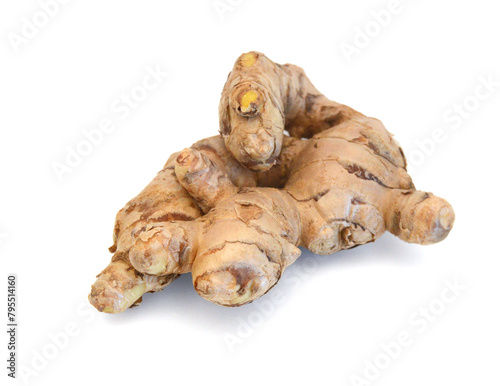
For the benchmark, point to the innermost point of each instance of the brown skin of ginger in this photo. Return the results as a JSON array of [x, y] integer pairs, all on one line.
[[215, 210]]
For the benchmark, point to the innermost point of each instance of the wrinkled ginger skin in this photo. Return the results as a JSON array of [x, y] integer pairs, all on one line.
[[164, 200], [261, 99], [234, 209], [350, 169], [155, 224]]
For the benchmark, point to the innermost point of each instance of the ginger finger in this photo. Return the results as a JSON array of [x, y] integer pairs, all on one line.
[[261, 99], [420, 217], [163, 200], [204, 181], [164, 248], [244, 246], [248, 241], [120, 286]]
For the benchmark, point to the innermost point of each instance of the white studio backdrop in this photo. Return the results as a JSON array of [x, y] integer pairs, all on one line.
[[148, 75]]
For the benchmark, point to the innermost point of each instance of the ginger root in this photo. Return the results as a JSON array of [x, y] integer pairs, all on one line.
[[233, 210]]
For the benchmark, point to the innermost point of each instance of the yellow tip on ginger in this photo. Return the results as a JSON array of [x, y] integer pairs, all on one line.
[[248, 98], [248, 60]]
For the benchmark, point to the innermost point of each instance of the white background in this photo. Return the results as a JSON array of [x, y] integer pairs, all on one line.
[[334, 313]]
